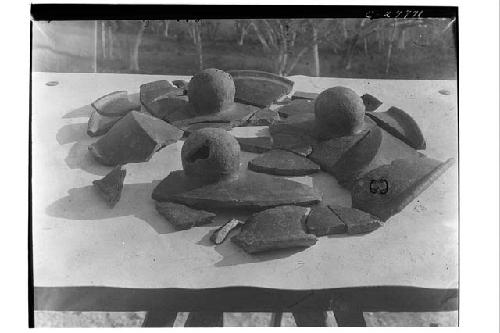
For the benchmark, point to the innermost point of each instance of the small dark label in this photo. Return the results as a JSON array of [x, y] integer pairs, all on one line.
[[380, 186]]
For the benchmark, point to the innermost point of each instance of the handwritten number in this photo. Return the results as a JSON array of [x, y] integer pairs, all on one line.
[[380, 186]]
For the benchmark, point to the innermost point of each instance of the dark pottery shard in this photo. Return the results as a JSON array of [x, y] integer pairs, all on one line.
[[371, 102], [295, 144], [235, 114], [259, 88], [347, 157], [110, 187], [115, 104], [256, 145], [283, 163], [354, 161], [134, 138], [182, 217], [177, 182], [304, 95], [263, 117], [296, 133], [401, 125], [273, 229], [165, 106], [180, 84], [99, 124], [195, 127], [328, 153], [220, 234], [323, 221], [296, 107], [388, 189], [303, 125], [250, 191], [357, 222], [150, 91]]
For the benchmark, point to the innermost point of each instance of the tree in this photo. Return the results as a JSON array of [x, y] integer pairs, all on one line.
[[194, 30], [134, 52], [165, 31], [241, 27], [278, 38]]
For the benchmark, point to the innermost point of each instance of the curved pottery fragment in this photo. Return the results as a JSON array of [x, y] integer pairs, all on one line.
[[99, 124], [401, 125], [347, 157], [387, 190], [134, 138], [283, 163], [115, 104], [259, 88]]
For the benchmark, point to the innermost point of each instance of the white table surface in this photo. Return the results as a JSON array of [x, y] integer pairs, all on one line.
[[79, 241]]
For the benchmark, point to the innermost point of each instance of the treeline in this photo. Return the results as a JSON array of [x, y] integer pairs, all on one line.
[[285, 41]]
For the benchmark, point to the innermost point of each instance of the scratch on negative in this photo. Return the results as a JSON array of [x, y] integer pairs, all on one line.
[[301, 300]]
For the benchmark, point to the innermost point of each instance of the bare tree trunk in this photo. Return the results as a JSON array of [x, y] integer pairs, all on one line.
[[296, 61], [196, 33], [315, 50], [261, 38], [402, 37], [111, 42], [365, 46], [103, 40], [165, 32], [134, 58], [243, 34], [380, 40], [344, 30], [389, 49]]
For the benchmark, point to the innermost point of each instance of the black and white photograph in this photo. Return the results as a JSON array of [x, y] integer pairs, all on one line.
[[244, 166]]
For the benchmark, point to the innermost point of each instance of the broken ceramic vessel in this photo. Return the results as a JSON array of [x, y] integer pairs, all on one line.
[[210, 99], [134, 138], [283, 163], [356, 221], [371, 102], [263, 117], [115, 104], [110, 187], [273, 229], [251, 191], [388, 189], [256, 145], [304, 95], [98, 124], [296, 107], [259, 88], [220, 234], [401, 125], [183, 217], [323, 221]]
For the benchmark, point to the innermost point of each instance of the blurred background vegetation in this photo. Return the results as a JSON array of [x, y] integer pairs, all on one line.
[[386, 48]]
